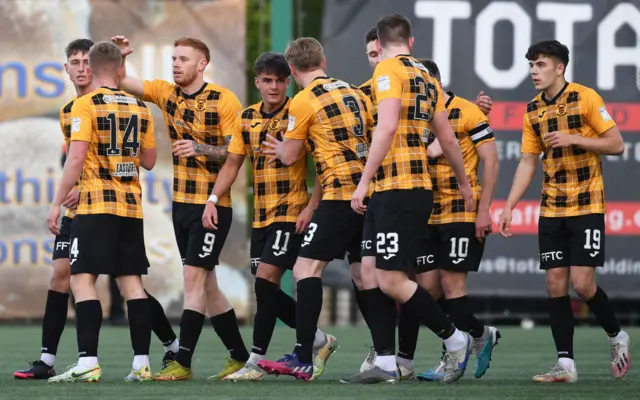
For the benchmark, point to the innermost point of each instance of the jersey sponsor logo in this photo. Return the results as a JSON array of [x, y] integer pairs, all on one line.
[[292, 123], [384, 83], [336, 85], [127, 169], [108, 99]]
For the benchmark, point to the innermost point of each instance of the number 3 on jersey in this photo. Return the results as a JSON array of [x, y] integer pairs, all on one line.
[[130, 138]]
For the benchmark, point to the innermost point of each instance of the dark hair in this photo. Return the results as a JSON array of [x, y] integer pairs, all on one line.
[[394, 28], [432, 67], [272, 63], [549, 48], [372, 34], [78, 46]]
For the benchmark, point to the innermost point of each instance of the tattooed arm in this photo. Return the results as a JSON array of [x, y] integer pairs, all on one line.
[[189, 148]]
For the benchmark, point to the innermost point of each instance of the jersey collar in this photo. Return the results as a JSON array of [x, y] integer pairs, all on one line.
[[272, 114], [553, 101], [194, 94], [451, 96]]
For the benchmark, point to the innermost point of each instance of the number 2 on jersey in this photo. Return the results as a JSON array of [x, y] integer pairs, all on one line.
[[426, 92], [130, 138]]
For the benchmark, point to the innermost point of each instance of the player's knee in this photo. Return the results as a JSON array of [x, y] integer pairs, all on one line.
[[454, 284], [84, 287], [558, 282], [307, 268], [195, 280], [270, 273], [60, 277], [131, 287], [584, 285], [368, 273], [430, 281]]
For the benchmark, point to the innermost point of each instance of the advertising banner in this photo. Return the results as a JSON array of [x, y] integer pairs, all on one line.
[[480, 45], [33, 88]]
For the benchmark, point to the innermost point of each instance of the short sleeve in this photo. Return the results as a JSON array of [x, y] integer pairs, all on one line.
[[64, 134], [229, 110], [596, 113], [81, 121], [440, 106], [530, 142], [149, 137], [301, 117], [236, 146], [156, 91], [387, 82], [477, 126]]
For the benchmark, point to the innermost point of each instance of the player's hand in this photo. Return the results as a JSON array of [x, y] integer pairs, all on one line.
[[123, 43], [184, 148], [210, 216], [71, 201], [559, 139], [484, 102], [467, 194], [484, 225], [274, 148], [304, 219], [357, 200], [505, 223], [52, 220]]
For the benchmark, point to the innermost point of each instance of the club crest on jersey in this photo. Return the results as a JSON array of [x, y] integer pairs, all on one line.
[[561, 109], [274, 124], [200, 105]]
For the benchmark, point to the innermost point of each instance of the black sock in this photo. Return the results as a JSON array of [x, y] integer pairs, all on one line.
[[422, 306], [160, 323], [383, 321], [408, 330], [55, 317], [226, 326], [462, 317], [562, 325], [88, 322], [442, 302], [601, 308], [309, 292], [190, 329], [362, 304], [264, 321], [286, 309], [140, 316]]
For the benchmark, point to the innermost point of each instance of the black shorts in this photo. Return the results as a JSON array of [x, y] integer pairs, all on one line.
[[452, 247], [571, 241], [276, 244], [104, 244], [397, 227], [61, 243], [335, 231], [198, 246]]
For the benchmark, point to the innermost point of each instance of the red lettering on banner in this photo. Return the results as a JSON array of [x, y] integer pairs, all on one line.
[[507, 116], [622, 217]]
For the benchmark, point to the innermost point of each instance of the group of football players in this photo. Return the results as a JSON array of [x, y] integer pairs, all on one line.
[[397, 193]]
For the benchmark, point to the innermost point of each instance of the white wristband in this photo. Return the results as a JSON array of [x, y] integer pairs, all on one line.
[[213, 198]]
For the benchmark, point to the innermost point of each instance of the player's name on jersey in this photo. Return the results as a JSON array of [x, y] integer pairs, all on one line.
[[127, 169]]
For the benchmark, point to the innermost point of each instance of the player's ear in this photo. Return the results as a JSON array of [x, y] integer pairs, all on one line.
[[323, 65], [411, 40], [294, 73], [287, 81], [378, 46], [256, 82], [66, 68]]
